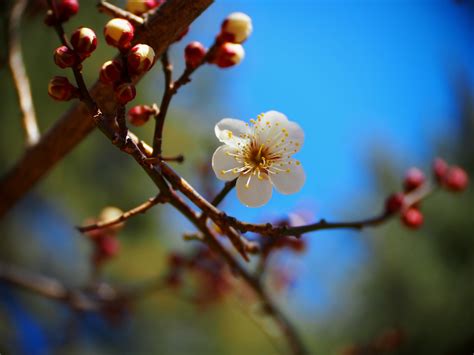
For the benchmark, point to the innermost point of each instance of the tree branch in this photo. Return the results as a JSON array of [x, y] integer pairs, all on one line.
[[126, 215], [20, 77], [159, 32]]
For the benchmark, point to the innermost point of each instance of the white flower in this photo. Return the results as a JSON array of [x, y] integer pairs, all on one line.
[[259, 156]]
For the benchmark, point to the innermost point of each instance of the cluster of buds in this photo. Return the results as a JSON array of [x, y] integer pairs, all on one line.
[[228, 50], [104, 240], [139, 7], [452, 178], [235, 29], [64, 10], [213, 278], [136, 60], [83, 43]]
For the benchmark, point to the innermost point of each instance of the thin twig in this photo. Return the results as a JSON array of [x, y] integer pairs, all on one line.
[[228, 186], [171, 88], [124, 216], [20, 78], [115, 11]]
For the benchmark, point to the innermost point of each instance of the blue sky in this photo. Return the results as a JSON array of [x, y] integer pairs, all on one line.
[[357, 76]]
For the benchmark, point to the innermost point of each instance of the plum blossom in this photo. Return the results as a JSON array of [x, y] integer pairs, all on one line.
[[259, 155]]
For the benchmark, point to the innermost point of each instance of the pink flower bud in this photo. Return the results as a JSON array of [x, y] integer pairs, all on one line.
[[64, 57], [440, 167], [125, 93], [59, 88], [84, 41], [236, 28], [66, 9], [414, 178], [456, 179], [119, 33], [111, 72], [412, 218], [140, 59], [228, 54], [139, 7], [194, 53], [139, 115], [394, 202]]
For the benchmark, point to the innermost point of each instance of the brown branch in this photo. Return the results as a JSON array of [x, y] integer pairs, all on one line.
[[20, 77], [116, 11], [160, 31], [47, 287], [171, 88], [286, 328], [228, 186], [125, 216], [165, 102]]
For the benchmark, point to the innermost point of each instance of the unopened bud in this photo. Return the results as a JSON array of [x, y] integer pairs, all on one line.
[[111, 72], [84, 41], [107, 246], [414, 178], [236, 28], [66, 9], [412, 218], [140, 59], [394, 202], [440, 167], [139, 115], [125, 93], [119, 33], [64, 57], [110, 213], [139, 7], [456, 179], [59, 88], [228, 54], [194, 53]]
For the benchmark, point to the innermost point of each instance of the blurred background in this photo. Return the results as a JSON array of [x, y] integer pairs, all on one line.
[[378, 86]]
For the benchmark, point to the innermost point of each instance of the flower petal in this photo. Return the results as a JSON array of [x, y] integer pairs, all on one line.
[[289, 181], [274, 117], [223, 164], [229, 130], [295, 136], [254, 192]]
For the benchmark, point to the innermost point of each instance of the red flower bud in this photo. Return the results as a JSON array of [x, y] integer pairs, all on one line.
[[228, 54], [111, 72], [139, 115], [139, 7], [66, 9], [412, 218], [414, 178], [456, 179], [236, 28], [394, 202], [61, 89], [125, 93], [119, 33], [84, 41], [440, 167], [194, 54], [107, 246], [64, 57], [140, 59]]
